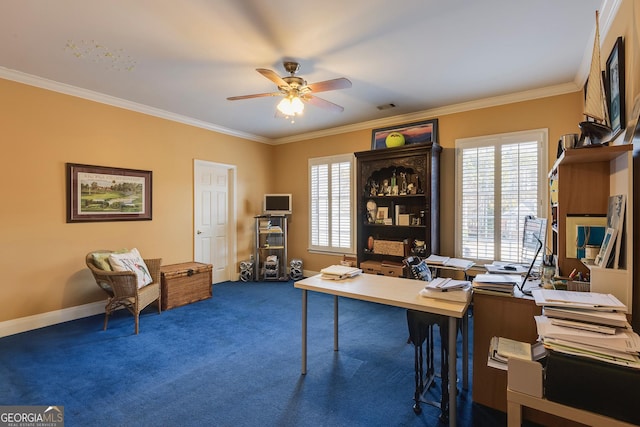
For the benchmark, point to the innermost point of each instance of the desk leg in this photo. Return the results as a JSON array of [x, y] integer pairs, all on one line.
[[452, 371], [335, 323], [514, 414], [465, 351], [304, 332]]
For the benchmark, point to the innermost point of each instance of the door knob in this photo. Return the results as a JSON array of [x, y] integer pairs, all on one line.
[[199, 232]]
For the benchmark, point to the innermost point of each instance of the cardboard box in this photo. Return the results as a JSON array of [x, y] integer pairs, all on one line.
[[525, 376]]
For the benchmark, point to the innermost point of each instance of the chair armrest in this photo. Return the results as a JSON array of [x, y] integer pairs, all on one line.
[[153, 264]]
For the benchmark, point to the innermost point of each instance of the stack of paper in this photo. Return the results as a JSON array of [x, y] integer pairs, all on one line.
[[496, 283], [445, 261], [459, 291], [500, 267], [442, 284], [502, 349], [587, 324], [339, 272]]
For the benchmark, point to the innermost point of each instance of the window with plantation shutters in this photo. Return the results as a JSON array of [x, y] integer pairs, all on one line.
[[500, 179], [331, 206]]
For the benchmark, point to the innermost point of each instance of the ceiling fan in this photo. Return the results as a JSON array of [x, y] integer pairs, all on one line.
[[296, 91]]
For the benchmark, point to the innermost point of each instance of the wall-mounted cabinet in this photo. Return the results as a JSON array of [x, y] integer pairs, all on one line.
[[582, 180], [398, 202]]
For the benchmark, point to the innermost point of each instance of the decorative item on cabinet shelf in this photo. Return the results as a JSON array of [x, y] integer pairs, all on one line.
[[372, 211], [393, 181], [383, 216], [419, 248]]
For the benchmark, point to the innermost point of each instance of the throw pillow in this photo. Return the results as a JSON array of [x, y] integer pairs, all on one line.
[[101, 260], [131, 261]]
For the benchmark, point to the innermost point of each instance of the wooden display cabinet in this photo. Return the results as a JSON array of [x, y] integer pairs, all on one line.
[[412, 207]]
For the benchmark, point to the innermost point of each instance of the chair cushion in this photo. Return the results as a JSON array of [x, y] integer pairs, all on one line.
[[131, 261]]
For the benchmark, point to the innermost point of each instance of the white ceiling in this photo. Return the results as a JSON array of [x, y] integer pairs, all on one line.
[[181, 59]]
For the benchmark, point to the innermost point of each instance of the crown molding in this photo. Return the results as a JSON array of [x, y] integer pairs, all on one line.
[[90, 95]]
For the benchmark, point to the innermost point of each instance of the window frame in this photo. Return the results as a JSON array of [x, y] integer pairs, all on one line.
[[329, 160], [540, 136]]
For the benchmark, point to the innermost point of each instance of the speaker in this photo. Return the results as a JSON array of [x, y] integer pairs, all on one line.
[[246, 271], [295, 269]]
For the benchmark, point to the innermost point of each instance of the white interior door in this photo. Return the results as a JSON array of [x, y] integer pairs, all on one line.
[[214, 218]]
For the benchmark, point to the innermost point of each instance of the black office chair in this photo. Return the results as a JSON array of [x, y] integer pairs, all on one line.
[[420, 326]]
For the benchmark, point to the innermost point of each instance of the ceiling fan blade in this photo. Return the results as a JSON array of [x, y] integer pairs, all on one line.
[[255, 95], [271, 75], [326, 85], [322, 103]]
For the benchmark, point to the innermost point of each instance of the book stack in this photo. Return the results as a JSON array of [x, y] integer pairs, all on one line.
[[498, 284], [339, 272], [587, 324], [447, 289]]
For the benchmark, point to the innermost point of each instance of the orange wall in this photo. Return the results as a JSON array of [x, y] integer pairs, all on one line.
[[560, 114], [42, 256]]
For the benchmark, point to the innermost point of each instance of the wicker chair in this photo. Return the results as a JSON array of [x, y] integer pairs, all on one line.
[[122, 288]]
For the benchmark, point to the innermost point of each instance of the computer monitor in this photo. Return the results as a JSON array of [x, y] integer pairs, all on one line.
[[533, 262], [533, 233]]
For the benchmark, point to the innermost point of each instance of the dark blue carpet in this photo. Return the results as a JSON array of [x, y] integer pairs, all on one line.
[[233, 360]]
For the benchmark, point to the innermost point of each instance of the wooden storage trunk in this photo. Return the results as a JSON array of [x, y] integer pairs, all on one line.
[[185, 283]]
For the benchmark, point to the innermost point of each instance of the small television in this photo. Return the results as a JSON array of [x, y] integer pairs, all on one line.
[[277, 204]]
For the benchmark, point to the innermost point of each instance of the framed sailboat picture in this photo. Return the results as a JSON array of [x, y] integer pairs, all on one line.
[[615, 86]]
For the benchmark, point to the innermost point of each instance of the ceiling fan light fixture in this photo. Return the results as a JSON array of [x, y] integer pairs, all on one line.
[[291, 106]]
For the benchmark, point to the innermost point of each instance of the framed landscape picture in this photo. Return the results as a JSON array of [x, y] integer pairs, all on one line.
[[99, 193], [412, 133]]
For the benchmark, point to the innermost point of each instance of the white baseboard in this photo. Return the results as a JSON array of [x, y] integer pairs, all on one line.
[[28, 323]]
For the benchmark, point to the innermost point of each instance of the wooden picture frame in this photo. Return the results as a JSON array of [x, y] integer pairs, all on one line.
[[425, 131], [615, 87], [382, 213], [100, 193], [602, 259]]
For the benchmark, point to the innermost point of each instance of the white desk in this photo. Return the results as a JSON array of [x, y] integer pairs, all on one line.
[[396, 292]]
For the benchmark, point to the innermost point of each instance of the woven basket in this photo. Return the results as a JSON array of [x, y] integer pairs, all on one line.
[[388, 247]]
